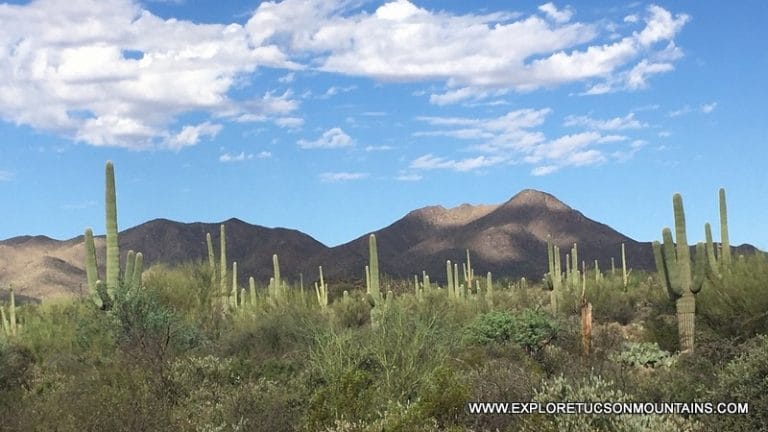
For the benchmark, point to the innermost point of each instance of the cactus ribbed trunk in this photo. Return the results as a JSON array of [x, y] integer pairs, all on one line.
[[726, 254], [373, 268], [91, 267], [113, 252], [586, 328], [223, 263], [686, 312], [624, 266], [12, 313]]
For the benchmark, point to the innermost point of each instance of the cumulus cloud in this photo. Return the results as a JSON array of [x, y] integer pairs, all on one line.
[[109, 73], [559, 16], [475, 55], [331, 139], [190, 135], [334, 177]]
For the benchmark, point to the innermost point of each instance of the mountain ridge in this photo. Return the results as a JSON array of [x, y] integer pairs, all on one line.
[[507, 239]]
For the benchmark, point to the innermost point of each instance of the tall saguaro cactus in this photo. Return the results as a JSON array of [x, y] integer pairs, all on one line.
[[726, 254], [673, 262], [131, 277], [113, 251], [374, 290]]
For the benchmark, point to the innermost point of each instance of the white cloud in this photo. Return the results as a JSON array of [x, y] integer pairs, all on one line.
[[287, 78], [109, 73], [191, 135], [430, 162], [708, 108], [379, 148], [333, 177], [475, 55], [5, 175], [682, 111], [559, 16], [331, 139], [264, 155], [289, 122], [630, 19], [512, 139], [544, 170], [334, 90], [617, 123], [226, 157]]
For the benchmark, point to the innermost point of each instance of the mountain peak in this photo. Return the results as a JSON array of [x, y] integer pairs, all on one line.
[[533, 197], [460, 215]]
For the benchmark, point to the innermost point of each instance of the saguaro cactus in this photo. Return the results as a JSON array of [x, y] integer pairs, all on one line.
[[134, 264], [321, 290], [674, 265], [223, 262], [91, 267], [726, 254], [553, 278], [374, 290], [113, 252]]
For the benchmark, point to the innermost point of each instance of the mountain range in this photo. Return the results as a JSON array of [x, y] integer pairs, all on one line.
[[508, 240]]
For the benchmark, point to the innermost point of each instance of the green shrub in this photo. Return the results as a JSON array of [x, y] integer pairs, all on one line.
[[529, 328], [735, 305], [595, 389], [643, 354], [744, 379]]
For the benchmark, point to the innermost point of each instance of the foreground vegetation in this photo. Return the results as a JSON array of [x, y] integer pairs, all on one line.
[[168, 358]]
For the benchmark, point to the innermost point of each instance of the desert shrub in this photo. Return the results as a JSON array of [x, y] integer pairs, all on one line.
[[213, 395], [444, 396], [351, 311], [115, 397], [735, 305], [744, 379], [150, 332], [274, 332], [643, 354], [189, 289], [594, 389], [531, 329], [511, 376], [352, 370], [15, 363]]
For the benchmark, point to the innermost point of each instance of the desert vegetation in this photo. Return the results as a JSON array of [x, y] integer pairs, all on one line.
[[198, 347]]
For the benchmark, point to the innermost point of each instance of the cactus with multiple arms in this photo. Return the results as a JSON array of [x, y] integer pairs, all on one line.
[[674, 265]]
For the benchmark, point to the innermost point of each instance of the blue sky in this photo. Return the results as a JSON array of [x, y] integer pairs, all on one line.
[[338, 117]]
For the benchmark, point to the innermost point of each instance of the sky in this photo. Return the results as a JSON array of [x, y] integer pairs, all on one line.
[[338, 117]]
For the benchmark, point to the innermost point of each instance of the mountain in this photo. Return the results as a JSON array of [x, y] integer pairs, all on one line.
[[507, 239]]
